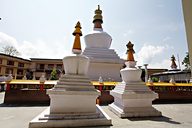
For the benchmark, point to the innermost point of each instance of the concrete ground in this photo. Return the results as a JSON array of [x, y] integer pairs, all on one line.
[[174, 116]]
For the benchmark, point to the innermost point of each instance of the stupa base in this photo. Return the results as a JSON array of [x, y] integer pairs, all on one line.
[[46, 120], [133, 100], [134, 111]]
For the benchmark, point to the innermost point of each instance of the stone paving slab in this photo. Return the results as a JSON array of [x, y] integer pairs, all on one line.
[[174, 116]]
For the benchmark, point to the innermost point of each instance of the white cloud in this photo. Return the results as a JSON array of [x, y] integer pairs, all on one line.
[[129, 32], [166, 64], [162, 64], [28, 50], [154, 56], [58, 49], [37, 49], [148, 54], [124, 56], [7, 40]]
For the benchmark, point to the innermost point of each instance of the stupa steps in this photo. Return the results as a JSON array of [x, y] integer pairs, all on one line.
[[72, 91], [71, 116], [79, 87], [106, 61], [134, 90], [132, 95], [74, 77], [99, 49], [74, 80], [74, 86], [74, 114], [99, 52], [132, 87], [74, 83], [102, 55]]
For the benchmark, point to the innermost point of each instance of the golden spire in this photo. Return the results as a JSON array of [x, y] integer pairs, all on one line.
[[173, 64], [98, 18], [130, 51], [77, 43]]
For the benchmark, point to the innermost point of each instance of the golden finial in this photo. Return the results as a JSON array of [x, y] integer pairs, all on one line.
[[173, 58], [98, 16], [77, 29], [130, 51], [77, 43], [173, 64]]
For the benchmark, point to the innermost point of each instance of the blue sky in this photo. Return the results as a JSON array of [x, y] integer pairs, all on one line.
[[43, 28]]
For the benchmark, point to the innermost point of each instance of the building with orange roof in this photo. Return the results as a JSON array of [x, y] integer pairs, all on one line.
[[17, 66]]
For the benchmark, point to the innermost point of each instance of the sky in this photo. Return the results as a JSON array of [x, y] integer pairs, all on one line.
[[43, 28]]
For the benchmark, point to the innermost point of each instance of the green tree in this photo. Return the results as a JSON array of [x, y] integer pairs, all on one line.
[[54, 74], [155, 79], [186, 62], [10, 50]]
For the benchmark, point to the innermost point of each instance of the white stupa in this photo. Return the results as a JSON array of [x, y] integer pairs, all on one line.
[[73, 98], [104, 62], [132, 98]]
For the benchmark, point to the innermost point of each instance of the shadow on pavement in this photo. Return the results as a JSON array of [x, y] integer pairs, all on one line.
[[175, 101], [158, 119]]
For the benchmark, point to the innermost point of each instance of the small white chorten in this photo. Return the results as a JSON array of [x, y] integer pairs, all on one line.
[[132, 98]]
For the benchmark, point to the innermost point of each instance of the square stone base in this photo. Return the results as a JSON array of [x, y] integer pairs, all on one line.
[[134, 111], [45, 120]]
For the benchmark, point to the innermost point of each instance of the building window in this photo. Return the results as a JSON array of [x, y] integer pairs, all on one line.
[[1, 61], [21, 64], [10, 62], [59, 66], [8, 71], [41, 66], [50, 66], [20, 72]]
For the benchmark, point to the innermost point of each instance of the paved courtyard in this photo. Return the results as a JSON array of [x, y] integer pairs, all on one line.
[[174, 116]]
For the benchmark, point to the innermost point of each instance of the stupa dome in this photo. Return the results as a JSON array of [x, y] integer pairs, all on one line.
[[98, 38]]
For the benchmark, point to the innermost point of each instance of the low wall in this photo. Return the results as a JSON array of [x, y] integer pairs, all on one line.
[[26, 97], [173, 93], [167, 93], [105, 98], [40, 97]]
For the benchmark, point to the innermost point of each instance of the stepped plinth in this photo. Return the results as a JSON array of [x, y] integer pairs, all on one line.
[[74, 92], [132, 98], [73, 98]]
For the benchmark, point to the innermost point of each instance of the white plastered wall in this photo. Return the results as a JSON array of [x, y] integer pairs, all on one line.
[[187, 11]]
